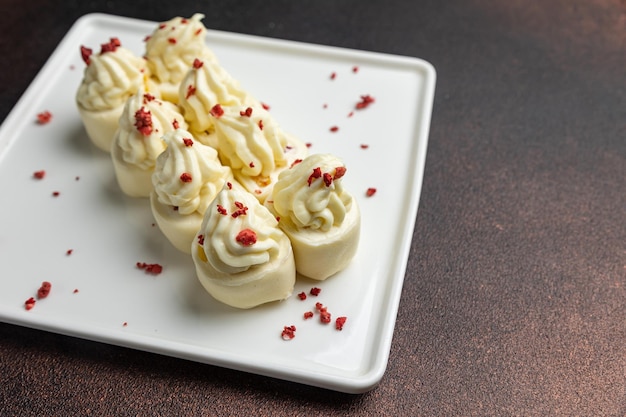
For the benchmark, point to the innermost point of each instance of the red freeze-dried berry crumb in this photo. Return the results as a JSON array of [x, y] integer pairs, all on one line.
[[260, 124], [175, 124], [339, 322], [339, 172], [185, 177], [355, 69], [333, 75], [325, 317], [296, 162], [366, 100], [171, 40], [85, 54], [315, 291], [247, 112], [150, 268], [39, 174], [229, 185], [246, 237], [317, 173], [44, 117], [56, 194], [221, 210], [200, 240], [217, 111], [188, 142], [265, 106], [308, 315], [197, 63], [370, 191], [147, 98], [75, 291], [308, 144], [364, 146], [125, 324], [251, 164], [351, 114], [302, 295], [143, 121], [328, 179], [44, 290], [334, 129], [191, 90], [110, 46], [30, 303], [289, 332], [69, 252]]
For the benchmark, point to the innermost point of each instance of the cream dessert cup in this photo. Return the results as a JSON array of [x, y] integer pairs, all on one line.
[[321, 219], [187, 177], [138, 141], [252, 144], [171, 50], [241, 257], [110, 78]]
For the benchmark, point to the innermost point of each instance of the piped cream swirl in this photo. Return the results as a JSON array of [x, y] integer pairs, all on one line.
[[311, 195], [233, 211], [188, 176]]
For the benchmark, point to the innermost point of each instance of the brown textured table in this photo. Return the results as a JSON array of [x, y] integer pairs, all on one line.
[[514, 301]]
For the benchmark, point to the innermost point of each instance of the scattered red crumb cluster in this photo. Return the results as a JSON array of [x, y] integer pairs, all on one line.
[[154, 269], [327, 177], [44, 117], [143, 121], [42, 292], [289, 332]]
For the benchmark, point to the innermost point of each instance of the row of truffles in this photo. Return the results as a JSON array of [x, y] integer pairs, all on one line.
[[225, 183]]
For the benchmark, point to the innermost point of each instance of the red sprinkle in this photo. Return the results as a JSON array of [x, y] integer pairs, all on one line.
[[185, 177], [188, 142], [334, 128], [289, 332], [30, 303], [39, 174], [143, 121], [328, 179], [44, 290], [217, 111], [191, 90], [317, 173], [339, 172], [85, 54], [150, 268], [308, 315], [370, 191], [111, 46], [339, 322], [247, 112], [366, 100], [44, 117], [302, 295], [246, 237], [316, 291]]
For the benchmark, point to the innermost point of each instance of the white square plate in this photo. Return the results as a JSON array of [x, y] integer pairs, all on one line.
[[98, 293]]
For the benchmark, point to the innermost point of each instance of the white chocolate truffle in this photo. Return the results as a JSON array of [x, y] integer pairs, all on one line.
[[110, 78], [137, 142], [187, 177], [320, 217], [252, 144], [241, 256], [171, 50]]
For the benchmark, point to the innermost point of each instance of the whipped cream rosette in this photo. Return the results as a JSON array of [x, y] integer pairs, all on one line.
[[110, 78], [241, 256], [138, 141], [254, 146], [205, 85], [320, 217], [171, 49], [187, 177]]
